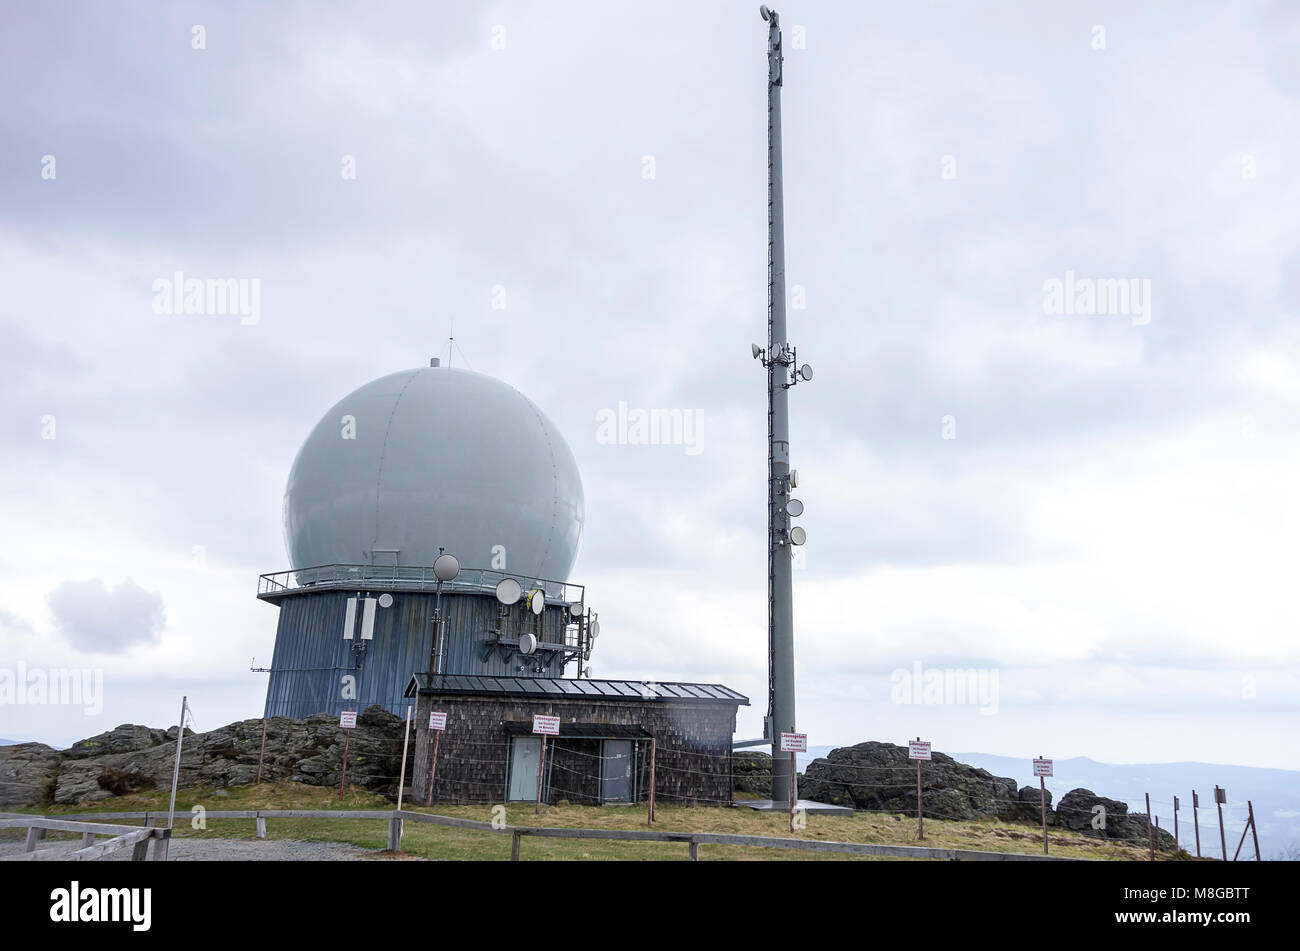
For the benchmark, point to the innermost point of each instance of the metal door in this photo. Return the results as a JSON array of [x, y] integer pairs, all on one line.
[[526, 756], [616, 771]]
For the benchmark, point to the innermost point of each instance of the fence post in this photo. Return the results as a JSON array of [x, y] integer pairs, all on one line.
[[695, 851], [34, 835], [1220, 797], [261, 827], [514, 846], [161, 843], [1196, 823], [1151, 841], [1254, 833], [395, 834]]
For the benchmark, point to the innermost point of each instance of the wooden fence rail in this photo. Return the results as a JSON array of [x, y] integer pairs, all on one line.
[[396, 818], [123, 836]]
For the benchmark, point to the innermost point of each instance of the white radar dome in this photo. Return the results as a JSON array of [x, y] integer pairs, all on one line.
[[435, 458]]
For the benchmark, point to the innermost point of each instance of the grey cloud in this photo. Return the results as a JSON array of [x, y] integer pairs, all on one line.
[[101, 620]]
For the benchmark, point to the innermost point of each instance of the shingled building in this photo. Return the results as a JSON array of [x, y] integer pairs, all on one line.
[[489, 753]]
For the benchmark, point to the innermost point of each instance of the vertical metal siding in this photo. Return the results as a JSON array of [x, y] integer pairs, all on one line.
[[311, 658]]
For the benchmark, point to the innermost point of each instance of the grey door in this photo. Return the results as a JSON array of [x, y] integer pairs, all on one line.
[[616, 771], [525, 758]]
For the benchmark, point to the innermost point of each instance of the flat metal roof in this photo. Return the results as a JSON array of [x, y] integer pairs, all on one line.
[[583, 730], [569, 688]]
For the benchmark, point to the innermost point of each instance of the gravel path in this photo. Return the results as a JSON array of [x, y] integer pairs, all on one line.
[[238, 850]]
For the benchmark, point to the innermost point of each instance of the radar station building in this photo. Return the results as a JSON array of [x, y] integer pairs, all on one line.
[[432, 518]]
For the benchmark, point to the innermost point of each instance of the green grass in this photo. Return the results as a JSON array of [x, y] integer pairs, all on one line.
[[439, 842]]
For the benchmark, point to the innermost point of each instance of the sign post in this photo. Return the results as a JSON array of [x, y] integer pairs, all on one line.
[[546, 726], [918, 750], [1151, 842], [1220, 797], [437, 723], [347, 720], [1177, 844], [650, 818], [1196, 801], [793, 743], [1043, 769]]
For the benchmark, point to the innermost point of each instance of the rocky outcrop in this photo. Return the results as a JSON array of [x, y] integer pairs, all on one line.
[[27, 772], [752, 773], [1082, 810], [132, 758], [1029, 805], [880, 777]]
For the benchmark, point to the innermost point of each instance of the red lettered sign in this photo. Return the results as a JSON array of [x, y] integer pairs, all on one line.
[[550, 726]]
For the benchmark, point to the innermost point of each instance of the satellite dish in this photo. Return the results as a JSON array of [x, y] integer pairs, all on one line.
[[595, 629], [794, 507], [763, 12], [586, 655], [527, 643], [508, 591], [446, 567], [575, 609], [794, 478], [536, 601], [805, 371], [385, 600], [755, 349], [798, 536]]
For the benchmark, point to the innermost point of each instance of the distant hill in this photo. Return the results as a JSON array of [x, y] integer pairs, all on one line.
[[1275, 794], [4, 742]]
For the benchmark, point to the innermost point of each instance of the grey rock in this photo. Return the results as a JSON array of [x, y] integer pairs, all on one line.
[[1082, 810], [27, 772], [123, 739], [880, 777], [132, 758]]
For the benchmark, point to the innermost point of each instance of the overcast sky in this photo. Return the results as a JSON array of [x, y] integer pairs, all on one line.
[[577, 191]]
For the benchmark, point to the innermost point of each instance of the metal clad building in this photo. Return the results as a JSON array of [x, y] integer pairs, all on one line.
[[399, 482]]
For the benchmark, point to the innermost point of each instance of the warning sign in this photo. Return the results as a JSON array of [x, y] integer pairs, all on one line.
[[550, 726], [1042, 767], [348, 719], [794, 742], [437, 721]]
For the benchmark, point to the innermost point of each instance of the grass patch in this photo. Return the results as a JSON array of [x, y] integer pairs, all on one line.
[[439, 842]]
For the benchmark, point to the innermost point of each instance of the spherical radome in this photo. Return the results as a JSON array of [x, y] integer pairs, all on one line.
[[435, 457]]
